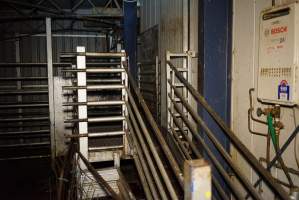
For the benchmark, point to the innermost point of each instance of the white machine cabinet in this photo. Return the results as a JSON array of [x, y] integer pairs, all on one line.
[[279, 55]]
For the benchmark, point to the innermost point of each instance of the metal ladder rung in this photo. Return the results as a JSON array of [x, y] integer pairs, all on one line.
[[24, 119], [178, 115], [95, 70], [103, 87], [105, 134], [101, 80], [177, 129], [105, 70], [181, 69], [105, 148], [106, 119], [178, 85], [95, 103], [177, 99], [94, 87], [105, 103]]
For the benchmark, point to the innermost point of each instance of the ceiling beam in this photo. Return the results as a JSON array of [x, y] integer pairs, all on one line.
[[29, 5]]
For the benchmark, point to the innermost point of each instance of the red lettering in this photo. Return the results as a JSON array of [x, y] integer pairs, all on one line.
[[281, 29]]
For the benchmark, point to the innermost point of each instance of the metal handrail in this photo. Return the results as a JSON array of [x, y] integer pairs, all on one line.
[[150, 119], [242, 149], [140, 133], [99, 179], [153, 149], [240, 175]]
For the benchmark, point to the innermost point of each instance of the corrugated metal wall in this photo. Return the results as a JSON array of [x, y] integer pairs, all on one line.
[[168, 15], [149, 13], [33, 50]]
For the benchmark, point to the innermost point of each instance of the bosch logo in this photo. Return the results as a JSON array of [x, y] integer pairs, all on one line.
[[267, 32], [281, 29]]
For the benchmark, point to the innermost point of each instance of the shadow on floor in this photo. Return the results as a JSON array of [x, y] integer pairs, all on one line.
[[25, 179]]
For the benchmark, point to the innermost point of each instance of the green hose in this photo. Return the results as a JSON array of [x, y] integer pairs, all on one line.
[[271, 129]]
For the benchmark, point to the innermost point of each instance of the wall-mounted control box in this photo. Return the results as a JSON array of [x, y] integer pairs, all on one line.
[[278, 80]]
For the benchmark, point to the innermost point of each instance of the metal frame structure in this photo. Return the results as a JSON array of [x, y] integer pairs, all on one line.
[[149, 74], [31, 100], [106, 16], [173, 130], [208, 133], [98, 153], [84, 75]]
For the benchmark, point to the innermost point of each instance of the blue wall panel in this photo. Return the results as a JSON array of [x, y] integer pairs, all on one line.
[[215, 45], [130, 33]]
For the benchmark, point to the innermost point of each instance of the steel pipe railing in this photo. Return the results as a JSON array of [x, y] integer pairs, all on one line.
[[152, 147], [218, 166], [142, 176], [242, 149], [94, 87], [95, 103], [142, 169], [240, 175], [96, 70], [95, 54], [198, 155], [142, 150], [174, 165], [181, 145], [92, 135]]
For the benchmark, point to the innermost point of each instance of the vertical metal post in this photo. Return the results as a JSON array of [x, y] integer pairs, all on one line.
[[168, 76], [82, 98], [185, 26], [50, 86], [157, 88], [197, 180], [19, 82], [124, 107], [185, 31]]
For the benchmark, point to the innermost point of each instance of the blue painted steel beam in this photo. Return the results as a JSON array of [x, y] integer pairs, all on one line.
[[130, 33], [215, 25]]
